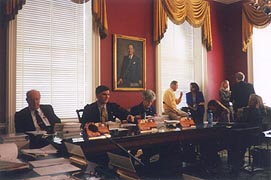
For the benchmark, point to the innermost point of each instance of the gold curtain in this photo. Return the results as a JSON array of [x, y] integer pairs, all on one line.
[[196, 12], [160, 21], [11, 8], [251, 17], [100, 16]]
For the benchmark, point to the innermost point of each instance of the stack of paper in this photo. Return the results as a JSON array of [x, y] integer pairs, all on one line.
[[8, 158], [21, 140], [68, 130], [57, 177], [40, 152], [53, 166]]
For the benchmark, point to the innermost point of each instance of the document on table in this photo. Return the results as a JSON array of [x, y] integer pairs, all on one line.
[[49, 162], [8, 158], [45, 150], [57, 177], [36, 133], [60, 168], [9, 152]]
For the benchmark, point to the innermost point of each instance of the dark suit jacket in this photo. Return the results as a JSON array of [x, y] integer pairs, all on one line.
[[240, 94], [131, 70], [199, 98], [24, 121], [92, 113], [140, 110]]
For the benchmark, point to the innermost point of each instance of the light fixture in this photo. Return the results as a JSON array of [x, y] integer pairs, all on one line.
[[262, 5], [79, 1]]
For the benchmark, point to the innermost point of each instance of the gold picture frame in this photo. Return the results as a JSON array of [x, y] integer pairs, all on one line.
[[129, 63]]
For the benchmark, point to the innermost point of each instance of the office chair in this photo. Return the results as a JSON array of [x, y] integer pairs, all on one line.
[[256, 140], [79, 113]]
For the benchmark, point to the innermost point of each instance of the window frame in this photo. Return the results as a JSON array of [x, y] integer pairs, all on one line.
[[93, 78], [200, 57]]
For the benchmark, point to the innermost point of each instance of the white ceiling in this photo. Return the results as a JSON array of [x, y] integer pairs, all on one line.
[[227, 1]]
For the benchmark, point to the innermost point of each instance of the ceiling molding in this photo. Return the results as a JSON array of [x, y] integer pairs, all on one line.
[[227, 1]]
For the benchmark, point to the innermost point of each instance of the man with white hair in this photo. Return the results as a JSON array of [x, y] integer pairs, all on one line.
[[145, 108], [170, 102], [35, 117]]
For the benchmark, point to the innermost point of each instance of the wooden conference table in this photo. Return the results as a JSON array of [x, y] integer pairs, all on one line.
[[219, 136], [162, 140]]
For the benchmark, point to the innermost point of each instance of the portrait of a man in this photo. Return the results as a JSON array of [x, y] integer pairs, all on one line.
[[129, 63], [130, 75]]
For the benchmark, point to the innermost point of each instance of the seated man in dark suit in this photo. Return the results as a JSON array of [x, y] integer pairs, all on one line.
[[145, 108], [35, 116], [102, 110]]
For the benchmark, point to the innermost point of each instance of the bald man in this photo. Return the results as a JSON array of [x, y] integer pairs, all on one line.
[[35, 117]]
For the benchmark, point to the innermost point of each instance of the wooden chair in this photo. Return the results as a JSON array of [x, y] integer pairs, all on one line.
[[79, 113]]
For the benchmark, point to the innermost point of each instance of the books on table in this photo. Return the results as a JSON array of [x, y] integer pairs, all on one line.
[[20, 139], [68, 130]]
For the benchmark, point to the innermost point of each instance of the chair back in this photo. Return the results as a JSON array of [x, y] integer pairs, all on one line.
[[79, 113]]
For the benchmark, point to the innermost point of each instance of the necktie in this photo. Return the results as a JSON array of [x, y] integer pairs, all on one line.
[[103, 115], [40, 121]]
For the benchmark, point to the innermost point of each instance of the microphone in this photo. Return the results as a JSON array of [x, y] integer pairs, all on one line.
[[94, 128]]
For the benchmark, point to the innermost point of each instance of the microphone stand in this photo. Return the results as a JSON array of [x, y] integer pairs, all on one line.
[[123, 149]]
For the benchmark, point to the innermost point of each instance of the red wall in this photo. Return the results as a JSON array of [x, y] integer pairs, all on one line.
[[132, 18], [227, 56], [235, 58], [215, 58]]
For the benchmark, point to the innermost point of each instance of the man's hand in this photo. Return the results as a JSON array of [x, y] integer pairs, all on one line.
[[181, 95], [120, 81], [131, 118]]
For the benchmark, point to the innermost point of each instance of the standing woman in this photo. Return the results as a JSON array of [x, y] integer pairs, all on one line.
[[195, 102], [225, 96]]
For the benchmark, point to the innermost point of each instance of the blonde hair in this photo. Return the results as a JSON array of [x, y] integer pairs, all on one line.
[[222, 85]]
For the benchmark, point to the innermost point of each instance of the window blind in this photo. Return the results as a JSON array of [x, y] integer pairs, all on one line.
[[52, 40], [261, 62], [177, 58]]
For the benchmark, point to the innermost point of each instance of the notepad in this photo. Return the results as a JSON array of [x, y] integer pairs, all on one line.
[[60, 168], [39, 152], [49, 162]]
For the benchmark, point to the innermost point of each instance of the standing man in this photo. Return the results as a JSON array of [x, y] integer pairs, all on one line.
[[35, 117], [131, 70], [170, 102], [102, 110], [241, 92]]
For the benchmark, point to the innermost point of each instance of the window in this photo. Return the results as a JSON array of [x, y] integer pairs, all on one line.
[[54, 54], [262, 63], [181, 55]]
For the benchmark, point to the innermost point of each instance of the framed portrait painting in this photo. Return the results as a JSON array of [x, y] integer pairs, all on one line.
[[129, 63]]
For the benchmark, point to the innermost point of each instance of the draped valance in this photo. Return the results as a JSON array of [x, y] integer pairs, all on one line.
[[195, 12], [251, 17], [11, 8]]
